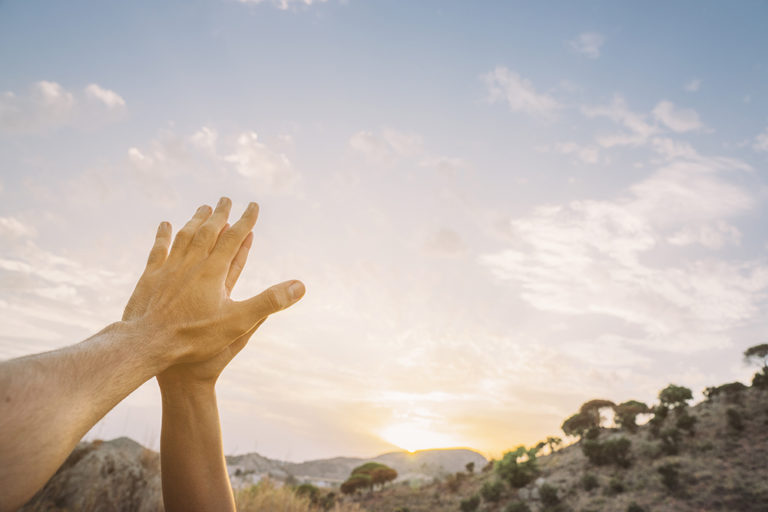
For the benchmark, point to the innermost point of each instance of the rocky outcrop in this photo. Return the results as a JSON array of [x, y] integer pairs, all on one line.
[[117, 475]]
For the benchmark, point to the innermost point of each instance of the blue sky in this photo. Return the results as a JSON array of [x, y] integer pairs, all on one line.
[[500, 209]]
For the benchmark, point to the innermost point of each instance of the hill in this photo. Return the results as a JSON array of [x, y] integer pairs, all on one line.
[[721, 466]]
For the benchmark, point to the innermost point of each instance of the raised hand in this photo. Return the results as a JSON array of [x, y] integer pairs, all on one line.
[[184, 294]]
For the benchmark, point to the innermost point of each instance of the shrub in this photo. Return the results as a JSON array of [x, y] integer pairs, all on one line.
[[589, 482], [309, 491], [626, 414], [660, 413], [491, 491], [686, 422], [517, 506], [548, 495], [592, 434], [615, 486], [470, 467], [670, 441], [670, 476], [734, 420], [634, 507], [518, 474], [612, 451], [577, 424], [760, 380], [470, 504]]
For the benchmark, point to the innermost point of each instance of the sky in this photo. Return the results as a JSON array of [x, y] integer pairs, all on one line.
[[499, 209]]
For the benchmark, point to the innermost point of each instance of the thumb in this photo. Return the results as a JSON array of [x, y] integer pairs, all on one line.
[[273, 299]]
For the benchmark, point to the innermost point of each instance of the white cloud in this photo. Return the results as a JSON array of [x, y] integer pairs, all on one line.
[[285, 4], [386, 145], [11, 227], [253, 159], [588, 154], [446, 242], [605, 258], [677, 119], [48, 105], [518, 92], [588, 44], [205, 138], [618, 112], [693, 86], [761, 141], [109, 98]]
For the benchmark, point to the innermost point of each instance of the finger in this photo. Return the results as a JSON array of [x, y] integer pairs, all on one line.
[[238, 263], [159, 251], [209, 231], [242, 341], [271, 300], [230, 242], [185, 234]]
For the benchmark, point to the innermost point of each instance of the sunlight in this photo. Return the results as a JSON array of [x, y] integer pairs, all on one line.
[[413, 436]]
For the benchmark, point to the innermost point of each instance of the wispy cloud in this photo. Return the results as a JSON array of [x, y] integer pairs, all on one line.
[[588, 44], [518, 93], [760, 143], [693, 86], [677, 119], [285, 4], [46, 105]]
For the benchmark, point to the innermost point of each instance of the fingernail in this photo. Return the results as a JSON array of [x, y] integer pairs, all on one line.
[[296, 290], [204, 208], [165, 225], [222, 202], [251, 207]]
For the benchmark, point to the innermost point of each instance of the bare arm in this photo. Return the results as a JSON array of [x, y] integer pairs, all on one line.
[[180, 312]]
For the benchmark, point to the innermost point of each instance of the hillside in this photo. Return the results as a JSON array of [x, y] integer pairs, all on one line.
[[722, 466], [422, 465]]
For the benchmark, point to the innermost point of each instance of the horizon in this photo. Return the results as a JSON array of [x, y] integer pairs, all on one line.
[[499, 210]]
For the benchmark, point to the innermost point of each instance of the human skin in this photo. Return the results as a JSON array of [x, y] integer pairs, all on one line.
[[180, 313], [194, 471]]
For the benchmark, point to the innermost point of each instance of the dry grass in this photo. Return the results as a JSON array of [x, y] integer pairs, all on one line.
[[266, 497]]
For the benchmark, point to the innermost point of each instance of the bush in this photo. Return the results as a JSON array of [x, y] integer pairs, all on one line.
[[634, 507], [615, 486], [660, 413], [517, 506], [517, 474], [686, 422], [470, 467], [548, 495], [589, 482], [491, 491], [592, 434], [670, 476], [670, 441], [613, 451], [675, 396], [734, 420], [470, 504], [760, 380]]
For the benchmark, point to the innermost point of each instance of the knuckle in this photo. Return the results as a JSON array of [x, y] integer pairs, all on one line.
[[273, 299]]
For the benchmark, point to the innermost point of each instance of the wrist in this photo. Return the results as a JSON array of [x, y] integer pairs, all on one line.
[[183, 393], [151, 344]]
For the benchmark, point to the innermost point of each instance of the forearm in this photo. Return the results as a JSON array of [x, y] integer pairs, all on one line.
[[49, 401], [194, 471]]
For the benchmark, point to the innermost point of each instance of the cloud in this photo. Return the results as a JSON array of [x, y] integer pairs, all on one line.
[[47, 105], [693, 86], [387, 145], [618, 111], [518, 92], [206, 155], [588, 44], [587, 154], [285, 4], [253, 159], [611, 258], [446, 242], [677, 119], [109, 98], [761, 141]]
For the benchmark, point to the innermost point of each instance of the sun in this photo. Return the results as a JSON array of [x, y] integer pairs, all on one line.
[[413, 436]]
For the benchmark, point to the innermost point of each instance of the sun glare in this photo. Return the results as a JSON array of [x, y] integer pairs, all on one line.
[[415, 436]]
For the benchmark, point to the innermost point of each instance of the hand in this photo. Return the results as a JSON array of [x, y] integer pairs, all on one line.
[[183, 296]]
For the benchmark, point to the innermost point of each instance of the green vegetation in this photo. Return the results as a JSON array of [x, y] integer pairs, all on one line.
[[758, 355], [611, 452], [491, 491], [368, 476], [589, 482], [517, 506], [548, 495], [615, 486], [670, 476], [627, 412], [553, 443], [686, 422], [634, 507], [470, 504], [577, 424], [518, 467], [676, 397], [470, 467], [734, 420]]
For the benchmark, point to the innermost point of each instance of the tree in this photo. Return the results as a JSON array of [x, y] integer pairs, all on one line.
[[470, 467], [592, 408], [675, 396], [626, 414], [368, 475], [758, 355], [553, 443], [577, 424], [518, 467]]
